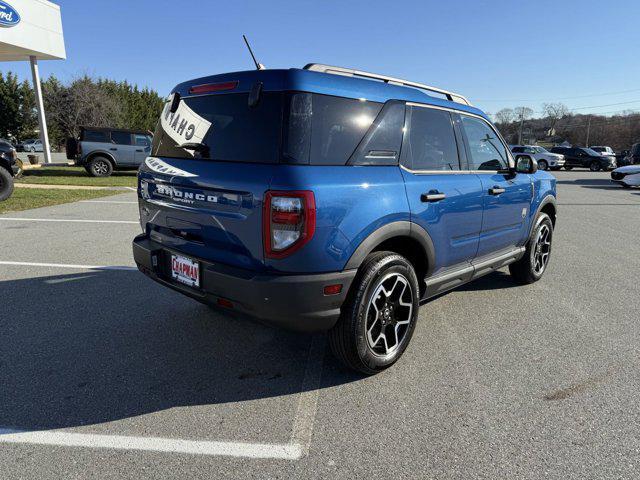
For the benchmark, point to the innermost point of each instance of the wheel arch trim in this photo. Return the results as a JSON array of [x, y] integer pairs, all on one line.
[[388, 232]]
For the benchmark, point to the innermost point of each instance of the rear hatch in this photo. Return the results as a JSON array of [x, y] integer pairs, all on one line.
[[211, 162]]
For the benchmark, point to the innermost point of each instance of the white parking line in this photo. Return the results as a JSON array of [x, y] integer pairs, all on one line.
[[106, 201], [153, 444], [62, 220], [298, 447], [65, 265]]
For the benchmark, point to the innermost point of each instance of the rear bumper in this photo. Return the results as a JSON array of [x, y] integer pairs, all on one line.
[[294, 302]]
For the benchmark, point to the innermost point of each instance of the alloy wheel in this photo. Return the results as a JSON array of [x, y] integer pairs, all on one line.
[[542, 250], [101, 168], [389, 314]]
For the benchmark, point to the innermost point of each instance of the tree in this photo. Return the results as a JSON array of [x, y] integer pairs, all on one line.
[[554, 112], [522, 114], [9, 106], [504, 116]]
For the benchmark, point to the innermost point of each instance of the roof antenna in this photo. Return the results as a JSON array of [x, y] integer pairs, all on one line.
[[259, 66]]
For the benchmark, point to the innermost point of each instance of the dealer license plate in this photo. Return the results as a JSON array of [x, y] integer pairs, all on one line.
[[185, 270]]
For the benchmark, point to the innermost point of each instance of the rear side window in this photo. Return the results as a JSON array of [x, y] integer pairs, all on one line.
[[485, 150], [518, 150], [95, 136], [325, 130], [381, 145], [121, 138], [430, 141]]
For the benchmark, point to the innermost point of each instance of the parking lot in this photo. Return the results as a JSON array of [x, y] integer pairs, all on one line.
[[104, 374]]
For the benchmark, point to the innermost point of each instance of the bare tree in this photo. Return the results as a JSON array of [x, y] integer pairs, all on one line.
[[83, 103], [504, 116], [554, 112], [522, 114]]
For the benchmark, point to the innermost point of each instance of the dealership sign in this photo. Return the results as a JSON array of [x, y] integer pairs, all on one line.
[[9, 17]]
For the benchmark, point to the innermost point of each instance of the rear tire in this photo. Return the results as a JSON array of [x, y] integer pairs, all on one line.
[[6, 184], [99, 167], [542, 165], [379, 315], [595, 166], [534, 263]]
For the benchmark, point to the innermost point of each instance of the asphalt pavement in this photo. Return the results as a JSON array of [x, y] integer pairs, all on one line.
[[104, 374]]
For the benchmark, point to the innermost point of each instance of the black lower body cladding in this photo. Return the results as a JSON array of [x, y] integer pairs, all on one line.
[[294, 302]]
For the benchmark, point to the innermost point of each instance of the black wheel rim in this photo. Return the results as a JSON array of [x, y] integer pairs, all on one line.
[[389, 314], [541, 250]]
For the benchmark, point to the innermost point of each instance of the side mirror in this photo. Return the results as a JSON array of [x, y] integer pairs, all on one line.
[[526, 164]]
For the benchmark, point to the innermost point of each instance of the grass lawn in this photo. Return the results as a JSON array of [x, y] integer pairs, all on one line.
[[76, 176], [26, 198]]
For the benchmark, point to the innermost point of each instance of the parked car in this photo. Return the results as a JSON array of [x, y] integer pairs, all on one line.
[[585, 158], [33, 145], [294, 196], [603, 150], [22, 146], [622, 158], [633, 158], [8, 169], [102, 150], [628, 176], [546, 160]]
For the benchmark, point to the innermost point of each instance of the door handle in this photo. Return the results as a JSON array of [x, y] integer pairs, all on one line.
[[432, 196], [139, 150], [496, 190], [114, 149]]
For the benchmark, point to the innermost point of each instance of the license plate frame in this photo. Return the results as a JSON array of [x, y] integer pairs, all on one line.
[[185, 270]]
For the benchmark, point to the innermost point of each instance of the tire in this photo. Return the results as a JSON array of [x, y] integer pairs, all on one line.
[[99, 167], [33, 150], [595, 166], [359, 338], [568, 168], [543, 165], [526, 270], [6, 184]]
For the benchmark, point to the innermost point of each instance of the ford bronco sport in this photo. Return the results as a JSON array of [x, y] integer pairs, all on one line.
[[332, 199]]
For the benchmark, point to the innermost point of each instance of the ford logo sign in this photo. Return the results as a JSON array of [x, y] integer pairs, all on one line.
[[8, 15]]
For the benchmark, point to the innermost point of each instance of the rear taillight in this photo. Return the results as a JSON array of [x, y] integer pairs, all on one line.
[[289, 221]]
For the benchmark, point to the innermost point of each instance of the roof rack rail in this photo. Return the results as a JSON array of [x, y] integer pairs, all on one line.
[[349, 72]]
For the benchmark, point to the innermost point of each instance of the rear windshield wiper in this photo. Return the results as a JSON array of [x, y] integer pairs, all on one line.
[[201, 148]]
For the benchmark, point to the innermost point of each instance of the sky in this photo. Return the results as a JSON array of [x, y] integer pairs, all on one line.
[[497, 53]]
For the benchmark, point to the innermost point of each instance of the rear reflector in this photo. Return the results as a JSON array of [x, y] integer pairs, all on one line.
[[223, 302], [333, 289], [213, 87]]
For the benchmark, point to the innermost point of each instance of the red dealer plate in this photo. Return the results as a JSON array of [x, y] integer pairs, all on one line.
[[185, 270]]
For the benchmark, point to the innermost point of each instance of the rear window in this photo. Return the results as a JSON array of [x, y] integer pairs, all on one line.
[[296, 127], [95, 136], [225, 125]]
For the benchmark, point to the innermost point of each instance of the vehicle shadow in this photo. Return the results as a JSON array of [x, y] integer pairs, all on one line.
[[604, 183], [93, 347], [498, 280]]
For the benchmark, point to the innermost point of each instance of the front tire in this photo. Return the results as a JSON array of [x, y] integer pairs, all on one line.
[[568, 168], [543, 165], [379, 315], [100, 167], [533, 264], [6, 184], [595, 166]]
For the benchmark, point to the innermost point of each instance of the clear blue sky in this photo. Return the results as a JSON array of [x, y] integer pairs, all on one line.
[[498, 53]]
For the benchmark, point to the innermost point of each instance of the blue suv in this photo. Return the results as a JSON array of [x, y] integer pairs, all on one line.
[[332, 199]]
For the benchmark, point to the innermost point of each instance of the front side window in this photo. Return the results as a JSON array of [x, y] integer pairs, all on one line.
[[430, 141], [485, 150], [142, 140]]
